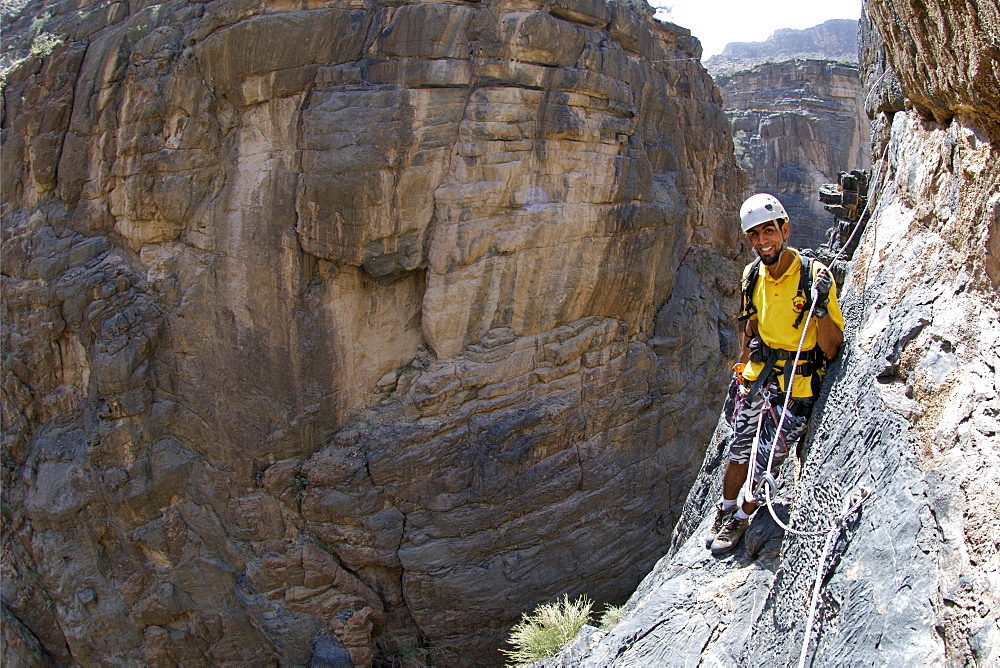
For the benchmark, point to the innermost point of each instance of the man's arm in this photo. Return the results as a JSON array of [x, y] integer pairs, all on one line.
[[829, 336], [749, 331]]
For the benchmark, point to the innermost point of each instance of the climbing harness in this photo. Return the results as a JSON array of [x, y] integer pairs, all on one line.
[[853, 503], [814, 363]]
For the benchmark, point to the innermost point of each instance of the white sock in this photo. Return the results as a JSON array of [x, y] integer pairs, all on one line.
[[728, 504], [740, 515]]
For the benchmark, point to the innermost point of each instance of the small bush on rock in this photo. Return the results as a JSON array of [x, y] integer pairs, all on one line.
[[610, 617], [542, 633]]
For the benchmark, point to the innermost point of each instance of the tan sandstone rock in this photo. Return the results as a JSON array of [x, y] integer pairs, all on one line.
[[345, 331]]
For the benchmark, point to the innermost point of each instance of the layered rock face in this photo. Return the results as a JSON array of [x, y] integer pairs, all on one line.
[[343, 332], [945, 54], [909, 413], [795, 125]]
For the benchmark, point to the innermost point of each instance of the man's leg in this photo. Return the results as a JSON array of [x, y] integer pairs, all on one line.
[[744, 429], [793, 427], [746, 426], [732, 481]]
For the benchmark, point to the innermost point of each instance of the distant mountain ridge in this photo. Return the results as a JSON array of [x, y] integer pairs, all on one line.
[[836, 39]]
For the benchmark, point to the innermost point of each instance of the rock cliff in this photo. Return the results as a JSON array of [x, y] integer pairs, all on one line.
[[909, 412], [796, 124], [341, 331]]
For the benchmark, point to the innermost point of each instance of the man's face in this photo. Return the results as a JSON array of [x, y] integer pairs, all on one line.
[[768, 240]]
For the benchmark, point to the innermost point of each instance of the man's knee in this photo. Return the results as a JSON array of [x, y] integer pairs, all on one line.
[[739, 458]]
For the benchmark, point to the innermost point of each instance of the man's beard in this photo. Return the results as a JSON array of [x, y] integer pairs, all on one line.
[[769, 261]]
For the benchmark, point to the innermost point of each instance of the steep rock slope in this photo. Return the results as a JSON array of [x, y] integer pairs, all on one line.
[[339, 331], [910, 413], [796, 124]]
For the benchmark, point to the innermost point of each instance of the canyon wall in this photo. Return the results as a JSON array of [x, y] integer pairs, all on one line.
[[796, 124], [340, 331], [909, 412]]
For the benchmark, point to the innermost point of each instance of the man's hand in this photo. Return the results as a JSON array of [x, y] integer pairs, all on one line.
[[736, 388], [829, 335], [822, 284]]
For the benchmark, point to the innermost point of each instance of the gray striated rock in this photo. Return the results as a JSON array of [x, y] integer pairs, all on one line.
[[909, 412]]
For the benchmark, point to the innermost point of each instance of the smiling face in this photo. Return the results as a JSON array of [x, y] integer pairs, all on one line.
[[768, 240]]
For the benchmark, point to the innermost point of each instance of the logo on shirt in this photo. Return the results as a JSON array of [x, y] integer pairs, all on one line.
[[798, 303]]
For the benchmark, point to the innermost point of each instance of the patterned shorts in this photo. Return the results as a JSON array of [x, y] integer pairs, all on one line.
[[746, 415]]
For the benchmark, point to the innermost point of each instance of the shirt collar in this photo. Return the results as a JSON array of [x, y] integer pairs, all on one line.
[[795, 264]]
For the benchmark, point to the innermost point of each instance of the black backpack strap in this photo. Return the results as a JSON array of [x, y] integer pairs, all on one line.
[[748, 310], [764, 376], [805, 287]]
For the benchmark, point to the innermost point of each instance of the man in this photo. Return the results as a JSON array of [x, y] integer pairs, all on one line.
[[777, 298]]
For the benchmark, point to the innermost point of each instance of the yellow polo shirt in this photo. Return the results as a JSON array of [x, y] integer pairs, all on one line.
[[777, 309]]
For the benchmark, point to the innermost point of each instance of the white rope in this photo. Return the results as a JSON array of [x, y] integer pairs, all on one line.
[[876, 176], [862, 494], [872, 88], [789, 391], [881, 162], [756, 437], [798, 352]]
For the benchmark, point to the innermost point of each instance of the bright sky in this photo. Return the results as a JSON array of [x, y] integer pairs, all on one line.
[[718, 22]]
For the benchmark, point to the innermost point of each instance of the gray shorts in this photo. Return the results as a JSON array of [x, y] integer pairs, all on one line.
[[746, 415]]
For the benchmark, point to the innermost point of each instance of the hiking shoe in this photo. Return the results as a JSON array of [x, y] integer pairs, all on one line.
[[721, 517], [730, 535]]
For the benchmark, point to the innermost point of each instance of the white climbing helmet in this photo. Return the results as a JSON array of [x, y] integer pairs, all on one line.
[[760, 208]]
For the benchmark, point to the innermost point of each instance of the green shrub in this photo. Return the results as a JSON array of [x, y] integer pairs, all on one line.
[[44, 43], [611, 616], [542, 633]]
